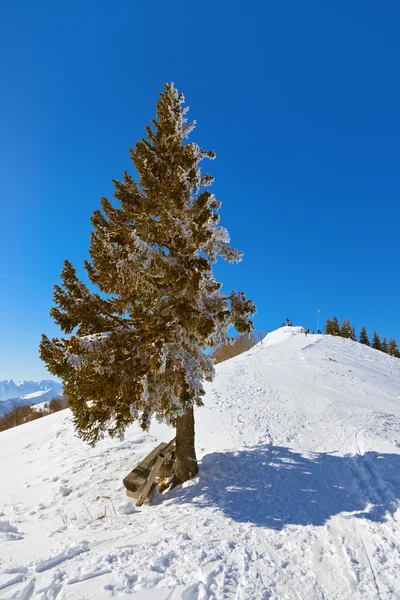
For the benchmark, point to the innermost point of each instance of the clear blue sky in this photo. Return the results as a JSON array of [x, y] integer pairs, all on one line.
[[300, 101]]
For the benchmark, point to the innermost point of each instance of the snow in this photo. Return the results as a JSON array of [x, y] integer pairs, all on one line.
[[33, 399], [9, 389], [297, 495], [26, 393], [34, 395]]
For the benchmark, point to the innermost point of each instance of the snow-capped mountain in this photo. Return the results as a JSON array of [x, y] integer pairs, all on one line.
[[28, 400], [26, 393], [297, 495], [10, 389]]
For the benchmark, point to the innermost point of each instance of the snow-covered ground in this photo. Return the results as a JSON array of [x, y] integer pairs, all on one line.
[[297, 495]]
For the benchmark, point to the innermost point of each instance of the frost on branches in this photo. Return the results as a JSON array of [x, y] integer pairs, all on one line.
[[137, 348]]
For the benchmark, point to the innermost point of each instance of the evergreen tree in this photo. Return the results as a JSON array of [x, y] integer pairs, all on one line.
[[332, 326], [328, 327], [335, 326], [376, 342], [392, 348], [347, 330], [138, 347], [384, 345], [364, 337]]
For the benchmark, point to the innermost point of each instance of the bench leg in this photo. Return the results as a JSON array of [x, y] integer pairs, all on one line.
[[151, 492]]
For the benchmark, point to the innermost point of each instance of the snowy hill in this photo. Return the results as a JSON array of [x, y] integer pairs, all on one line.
[[26, 392], [297, 495]]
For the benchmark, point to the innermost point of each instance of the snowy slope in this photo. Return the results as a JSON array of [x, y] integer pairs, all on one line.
[[297, 495]]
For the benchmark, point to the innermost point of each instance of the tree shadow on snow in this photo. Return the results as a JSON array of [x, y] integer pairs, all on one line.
[[272, 486]]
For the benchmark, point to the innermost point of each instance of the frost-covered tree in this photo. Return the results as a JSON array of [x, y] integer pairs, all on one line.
[[136, 348], [347, 331], [392, 348], [364, 337], [376, 342], [328, 326], [332, 326], [335, 326]]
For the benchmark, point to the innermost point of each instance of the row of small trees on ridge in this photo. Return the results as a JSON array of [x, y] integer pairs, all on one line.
[[237, 345], [346, 330], [23, 414]]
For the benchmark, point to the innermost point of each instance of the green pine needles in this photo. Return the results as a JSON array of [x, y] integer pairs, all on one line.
[[137, 347]]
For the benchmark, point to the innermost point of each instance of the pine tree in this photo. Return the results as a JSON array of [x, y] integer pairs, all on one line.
[[345, 328], [347, 331], [384, 345], [137, 348], [364, 337], [376, 342], [392, 348], [335, 326], [328, 327], [332, 326]]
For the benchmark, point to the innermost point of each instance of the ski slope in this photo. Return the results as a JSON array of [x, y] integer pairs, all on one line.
[[297, 495]]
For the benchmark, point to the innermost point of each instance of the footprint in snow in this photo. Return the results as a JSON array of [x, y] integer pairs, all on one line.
[[64, 490], [56, 560], [9, 532]]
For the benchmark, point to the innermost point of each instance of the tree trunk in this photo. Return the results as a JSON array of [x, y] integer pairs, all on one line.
[[185, 454]]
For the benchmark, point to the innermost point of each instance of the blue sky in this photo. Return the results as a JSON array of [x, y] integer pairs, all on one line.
[[300, 101]]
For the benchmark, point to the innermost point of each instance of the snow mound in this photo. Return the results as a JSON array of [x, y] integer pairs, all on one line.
[[9, 532], [280, 335], [297, 495]]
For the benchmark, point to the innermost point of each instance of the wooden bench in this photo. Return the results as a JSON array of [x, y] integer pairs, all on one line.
[[140, 483]]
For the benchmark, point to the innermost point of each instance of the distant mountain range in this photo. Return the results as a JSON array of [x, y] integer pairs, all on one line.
[[26, 392]]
